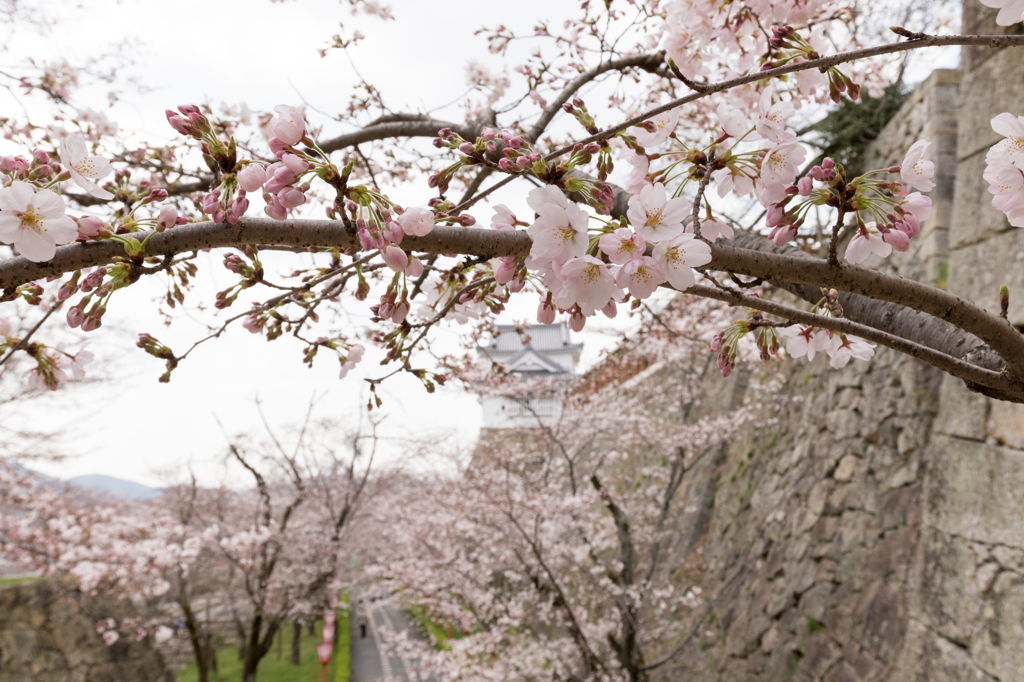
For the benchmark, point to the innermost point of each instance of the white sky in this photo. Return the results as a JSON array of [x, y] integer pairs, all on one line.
[[260, 53]]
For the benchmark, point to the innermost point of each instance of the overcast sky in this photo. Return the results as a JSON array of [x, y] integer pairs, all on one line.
[[263, 54]]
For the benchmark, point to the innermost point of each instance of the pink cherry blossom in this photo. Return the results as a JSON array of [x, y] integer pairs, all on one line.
[[917, 171], [779, 169], [734, 123], [503, 218], [917, 204], [622, 245], [252, 177], [638, 176], [296, 164], [288, 126], [641, 276], [588, 284], [415, 268], [1006, 184], [677, 258], [504, 269], [733, 180], [771, 121], [559, 233], [1010, 11], [713, 229], [1010, 149], [417, 222], [84, 169], [34, 222], [664, 123], [866, 242], [654, 216], [546, 195]]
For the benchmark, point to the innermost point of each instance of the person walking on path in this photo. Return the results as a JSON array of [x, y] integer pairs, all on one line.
[[361, 619]]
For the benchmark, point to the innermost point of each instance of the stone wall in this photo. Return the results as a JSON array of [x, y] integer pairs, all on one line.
[[875, 532], [45, 636]]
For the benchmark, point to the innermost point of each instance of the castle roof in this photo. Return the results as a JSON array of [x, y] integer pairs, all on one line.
[[544, 338]]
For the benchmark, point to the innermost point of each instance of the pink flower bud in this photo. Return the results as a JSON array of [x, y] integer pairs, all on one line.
[[168, 217], [89, 226], [898, 239], [716, 343], [396, 259], [275, 210], [8, 164], [487, 134], [610, 310], [545, 312], [516, 285], [577, 321], [506, 165], [467, 148], [75, 317], [504, 270], [415, 268], [252, 177], [289, 197], [279, 147], [400, 312], [296, 164], [805, 184], [179, 123], [40, 156]]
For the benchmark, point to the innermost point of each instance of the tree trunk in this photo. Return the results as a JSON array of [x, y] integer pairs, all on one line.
[[195, 638], [296, 641], [312, 627]]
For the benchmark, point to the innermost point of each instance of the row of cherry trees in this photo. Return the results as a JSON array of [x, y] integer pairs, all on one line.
[[261, 557]]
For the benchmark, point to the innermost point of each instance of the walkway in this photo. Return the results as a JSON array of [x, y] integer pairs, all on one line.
[[367, 663]]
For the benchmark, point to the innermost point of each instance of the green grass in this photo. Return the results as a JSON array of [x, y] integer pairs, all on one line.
[[11, 582], [438, 632], [274, 669]]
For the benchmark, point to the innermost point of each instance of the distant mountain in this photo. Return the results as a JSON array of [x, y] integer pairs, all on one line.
[[129, 490]]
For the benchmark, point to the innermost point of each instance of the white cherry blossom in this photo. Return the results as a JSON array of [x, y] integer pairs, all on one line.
[[679, 256], [559, 233], [84, 169], [917, 171], [665, 123], [778, 170], [654, 216], [771, 121], [641, 276], [588, 283], [1010, 11], [34, 222], [865, 243], [1010, 149]]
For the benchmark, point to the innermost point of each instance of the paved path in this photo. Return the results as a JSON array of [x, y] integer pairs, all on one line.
[[367, 663]]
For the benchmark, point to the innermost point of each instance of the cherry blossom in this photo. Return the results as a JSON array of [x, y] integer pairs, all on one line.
[[622, 245], [1006, 184], [252, 177], [771, 121], [559, 233], [84, 169], [1010, 11], [917, 171], [34, 222], [804, 341], [677, 258], [867, 241], [641, 276], [714, 229], [734, 123], [638, 176], [779, 169], [417, 222], [654, 216], [587, 283], [503, 219], [842, 349], [289, 126], [1010, 149], [664, 125]]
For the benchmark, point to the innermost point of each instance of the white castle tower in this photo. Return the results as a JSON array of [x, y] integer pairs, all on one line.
[[545, 351]]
